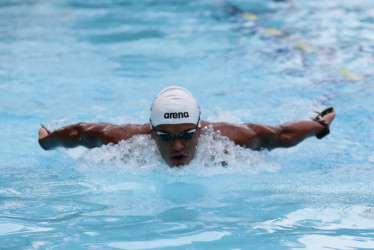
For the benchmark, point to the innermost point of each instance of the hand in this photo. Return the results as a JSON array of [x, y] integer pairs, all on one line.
[[43, 132], [329, 117], [324, 118]]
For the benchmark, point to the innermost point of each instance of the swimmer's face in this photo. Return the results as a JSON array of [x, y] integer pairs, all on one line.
[[177, 143]]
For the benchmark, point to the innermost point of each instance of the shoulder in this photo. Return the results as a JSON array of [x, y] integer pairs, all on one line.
[[110, 133], [132, 129], [249, 135], [126, 131], [225, 127], [241, 134]]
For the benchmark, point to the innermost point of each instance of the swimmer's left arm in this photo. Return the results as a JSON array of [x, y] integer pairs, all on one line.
[[258, 136], [289, 134], [282, 136]]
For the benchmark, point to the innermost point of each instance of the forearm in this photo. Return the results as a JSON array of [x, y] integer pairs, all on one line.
[[293, 133], [70, 137]]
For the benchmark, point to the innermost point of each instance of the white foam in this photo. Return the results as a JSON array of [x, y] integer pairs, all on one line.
[[216, 154], [139, 154], [216, 150]]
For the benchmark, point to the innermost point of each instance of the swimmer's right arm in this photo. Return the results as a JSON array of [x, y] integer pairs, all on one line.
[[89, 135]]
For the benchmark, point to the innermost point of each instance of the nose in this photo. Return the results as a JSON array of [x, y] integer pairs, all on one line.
[[178, 145]]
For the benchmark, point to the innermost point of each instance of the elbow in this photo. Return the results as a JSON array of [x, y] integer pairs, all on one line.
[[286, 138]]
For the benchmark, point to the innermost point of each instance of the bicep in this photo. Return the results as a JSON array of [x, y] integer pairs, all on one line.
[[258, 136], [93, 134], [253, 136], [285, 135], [98, 134], [263, 136], [117, 133]]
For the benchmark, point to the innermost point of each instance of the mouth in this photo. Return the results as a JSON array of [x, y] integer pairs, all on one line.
[[179, 159]]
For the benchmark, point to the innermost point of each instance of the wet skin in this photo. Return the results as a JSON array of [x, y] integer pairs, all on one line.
[[177, 152]]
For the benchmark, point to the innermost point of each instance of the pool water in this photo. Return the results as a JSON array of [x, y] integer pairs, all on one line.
[[67, 61]]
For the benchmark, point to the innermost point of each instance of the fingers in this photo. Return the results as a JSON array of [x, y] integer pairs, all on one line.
[[329, 117], [45, 128], [43, 133]]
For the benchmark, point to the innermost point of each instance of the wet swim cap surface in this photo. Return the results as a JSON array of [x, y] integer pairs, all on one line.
[[174, 105]]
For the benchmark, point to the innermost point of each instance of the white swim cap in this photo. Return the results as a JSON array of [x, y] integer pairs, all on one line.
[[174, 105]]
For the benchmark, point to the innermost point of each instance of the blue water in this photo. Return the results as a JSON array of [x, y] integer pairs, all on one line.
[[67, 61]]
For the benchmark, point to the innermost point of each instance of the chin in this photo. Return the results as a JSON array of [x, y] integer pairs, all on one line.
[[178, 162]]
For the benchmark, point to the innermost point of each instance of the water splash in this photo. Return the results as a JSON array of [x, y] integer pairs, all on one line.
[[216, 154], [137, 155]]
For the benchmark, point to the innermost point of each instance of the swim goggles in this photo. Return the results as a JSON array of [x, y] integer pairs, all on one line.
[[185, 135]]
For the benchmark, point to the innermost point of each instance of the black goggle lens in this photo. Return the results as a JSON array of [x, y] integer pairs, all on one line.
[[186, 135]]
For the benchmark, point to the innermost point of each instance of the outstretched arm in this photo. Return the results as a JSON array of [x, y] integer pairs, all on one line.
[[290, 134], [257, 137], [89, 135]]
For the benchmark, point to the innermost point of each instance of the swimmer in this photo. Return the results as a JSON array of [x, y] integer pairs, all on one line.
[[175, 126]]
